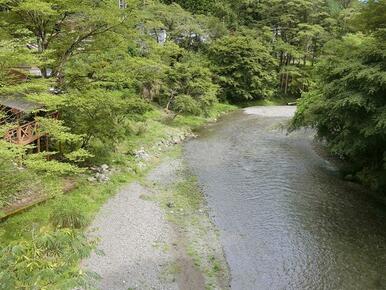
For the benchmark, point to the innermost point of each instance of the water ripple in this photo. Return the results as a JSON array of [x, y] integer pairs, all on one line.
[[286, 221]]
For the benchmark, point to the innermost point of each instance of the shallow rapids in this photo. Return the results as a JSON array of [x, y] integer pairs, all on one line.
[[286, 219]]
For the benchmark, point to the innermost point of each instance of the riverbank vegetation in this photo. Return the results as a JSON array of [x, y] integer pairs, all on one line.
[[121, 75], [347, 103]]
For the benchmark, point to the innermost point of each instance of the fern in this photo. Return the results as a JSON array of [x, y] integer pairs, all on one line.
[[46, 261]]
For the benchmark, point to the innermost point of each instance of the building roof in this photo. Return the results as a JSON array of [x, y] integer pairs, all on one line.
[[20, 103]]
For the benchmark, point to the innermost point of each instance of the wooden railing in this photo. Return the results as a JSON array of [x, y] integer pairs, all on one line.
[[26, 133]]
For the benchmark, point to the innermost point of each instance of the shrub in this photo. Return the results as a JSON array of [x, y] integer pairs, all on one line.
[[47, 261], [67, 215], [186, 104]]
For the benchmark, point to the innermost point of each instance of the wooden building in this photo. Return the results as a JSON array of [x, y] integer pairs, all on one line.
[[20, 114]]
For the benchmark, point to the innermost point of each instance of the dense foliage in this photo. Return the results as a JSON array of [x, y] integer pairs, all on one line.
[[36, 265], [347, 104], [245, 68], [105, 64]]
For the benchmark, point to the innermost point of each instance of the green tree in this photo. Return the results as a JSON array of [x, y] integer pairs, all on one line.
[[372, 17], [245, 68], [188, 87], [173, 23], [60, 28], [195, 6], [20, 171], [347, 105]]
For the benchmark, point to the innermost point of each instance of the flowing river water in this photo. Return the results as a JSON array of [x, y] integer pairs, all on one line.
[[286, 219]]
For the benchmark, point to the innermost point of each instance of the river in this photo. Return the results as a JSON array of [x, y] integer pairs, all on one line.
[[286, 219]]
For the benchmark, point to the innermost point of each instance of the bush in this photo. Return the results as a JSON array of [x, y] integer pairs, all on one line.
[[48, 261], [186, 104], [67, 215]]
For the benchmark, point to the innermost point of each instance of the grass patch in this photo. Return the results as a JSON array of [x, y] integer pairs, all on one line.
[[88, 197], [59, 218], [68, 215], [164, 247]]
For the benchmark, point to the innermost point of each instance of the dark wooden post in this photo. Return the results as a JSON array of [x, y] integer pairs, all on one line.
[[18, 134]]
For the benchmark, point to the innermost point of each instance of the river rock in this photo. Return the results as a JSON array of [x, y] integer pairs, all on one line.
[[141, 165], [100, 177], [92, 179], [130, 170], [104, 167], [142, 154], [101, 174]]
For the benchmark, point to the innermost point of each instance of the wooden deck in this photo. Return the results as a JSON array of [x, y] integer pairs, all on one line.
[[26, 133]]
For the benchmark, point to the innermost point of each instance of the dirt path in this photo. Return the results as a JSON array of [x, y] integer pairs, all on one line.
[[141, 249]]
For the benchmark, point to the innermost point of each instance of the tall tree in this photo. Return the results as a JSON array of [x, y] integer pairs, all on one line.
[[60, 28], [245, 68]]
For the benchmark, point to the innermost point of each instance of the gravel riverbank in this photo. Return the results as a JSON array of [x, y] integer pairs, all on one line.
[[142, 245], [130, 230]]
